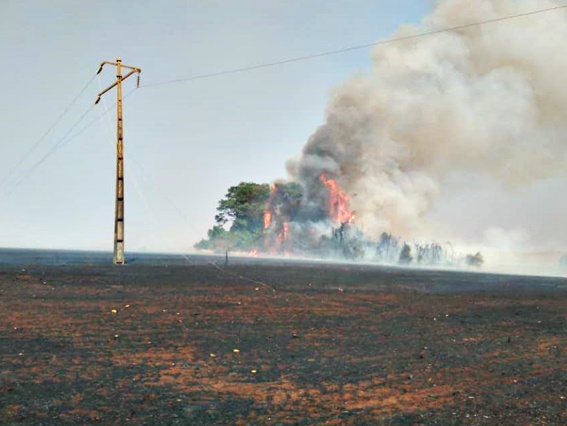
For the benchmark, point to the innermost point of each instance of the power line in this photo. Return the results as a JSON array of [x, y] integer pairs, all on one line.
[[47, 132], [352, 48], [61, 143], [90, 123]]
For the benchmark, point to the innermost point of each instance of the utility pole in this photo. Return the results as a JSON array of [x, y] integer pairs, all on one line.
[[119, 211]]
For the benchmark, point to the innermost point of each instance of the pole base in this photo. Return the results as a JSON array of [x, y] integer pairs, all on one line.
[[119, 258]]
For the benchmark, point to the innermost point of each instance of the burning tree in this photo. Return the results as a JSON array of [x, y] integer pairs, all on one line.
[[298, 219], [339, 210], [244, 208], [282, 209]]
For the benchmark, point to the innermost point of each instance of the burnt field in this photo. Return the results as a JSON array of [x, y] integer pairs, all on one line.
[[281, 343]]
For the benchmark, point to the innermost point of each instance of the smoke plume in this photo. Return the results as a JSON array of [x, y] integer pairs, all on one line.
[[488, 99]]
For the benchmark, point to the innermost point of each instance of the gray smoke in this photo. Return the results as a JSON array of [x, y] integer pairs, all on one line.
[[490, 100]]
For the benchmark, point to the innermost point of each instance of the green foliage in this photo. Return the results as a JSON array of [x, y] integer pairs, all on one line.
[[243, 208], [217, 236], [232, 240], [244, 205]]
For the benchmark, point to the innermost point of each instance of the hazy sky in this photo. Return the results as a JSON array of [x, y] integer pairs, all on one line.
[[185, 143]]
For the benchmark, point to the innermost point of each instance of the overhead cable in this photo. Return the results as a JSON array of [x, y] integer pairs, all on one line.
[[47, 132], [61, 143], [352, 48]]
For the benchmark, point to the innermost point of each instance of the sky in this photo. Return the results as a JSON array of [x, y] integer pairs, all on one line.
[[185, 142]]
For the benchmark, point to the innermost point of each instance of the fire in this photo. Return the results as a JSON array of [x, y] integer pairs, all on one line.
[[279, 235], [267, 219], [339, 210], [268, 213], [253, 253]]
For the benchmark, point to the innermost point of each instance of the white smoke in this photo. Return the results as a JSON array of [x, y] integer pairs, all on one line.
[[489, 99]]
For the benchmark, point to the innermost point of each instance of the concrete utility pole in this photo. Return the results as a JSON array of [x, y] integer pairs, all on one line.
[[119, 213]]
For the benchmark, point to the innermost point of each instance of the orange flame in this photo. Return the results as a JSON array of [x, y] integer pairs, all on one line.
[[339, 210], [267, 219], [268, 213], [253, 253]]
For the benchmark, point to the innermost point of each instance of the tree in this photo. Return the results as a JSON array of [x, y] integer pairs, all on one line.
[[405, 255], [244, 205], [286, 201], [474, 260], [219, 238]]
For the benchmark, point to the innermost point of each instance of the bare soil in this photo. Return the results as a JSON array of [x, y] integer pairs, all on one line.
[[279, 343]]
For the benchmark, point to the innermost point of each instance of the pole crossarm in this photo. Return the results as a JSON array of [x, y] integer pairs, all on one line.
[[102, 64], [116, 84], [119, 258]]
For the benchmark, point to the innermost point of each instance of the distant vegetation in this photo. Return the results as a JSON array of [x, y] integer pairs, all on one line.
[[277, 220]]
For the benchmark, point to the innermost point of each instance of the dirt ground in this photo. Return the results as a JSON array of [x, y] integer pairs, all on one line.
[[279, 343]]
